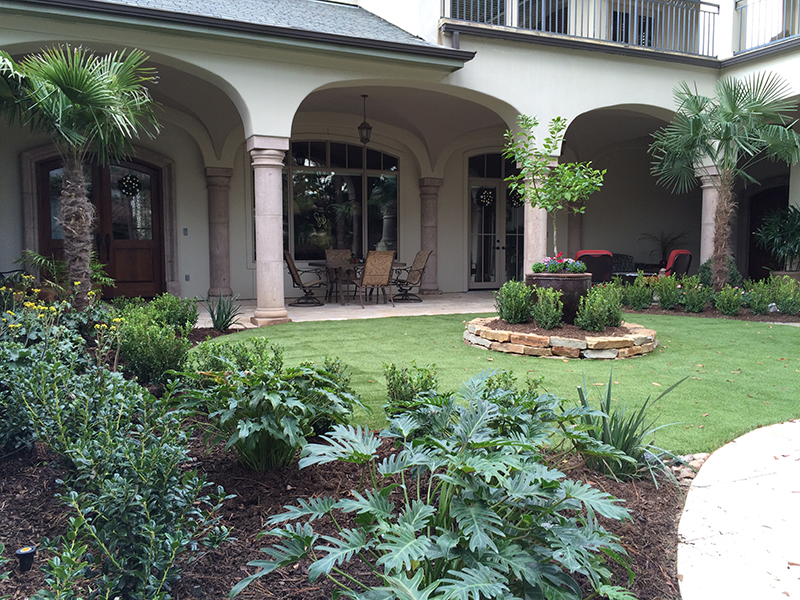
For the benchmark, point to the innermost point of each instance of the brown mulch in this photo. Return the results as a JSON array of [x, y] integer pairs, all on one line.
[[29, 511]]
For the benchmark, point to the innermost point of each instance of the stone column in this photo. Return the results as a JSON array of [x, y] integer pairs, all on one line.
[[709, 180], [535, 236], [219, 253], [267, 157], [429, 215]]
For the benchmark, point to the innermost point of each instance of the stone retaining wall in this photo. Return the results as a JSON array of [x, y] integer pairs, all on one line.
[[638, 342]]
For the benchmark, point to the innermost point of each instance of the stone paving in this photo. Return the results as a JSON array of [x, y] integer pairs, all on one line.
[[439, 304], [740, 531]]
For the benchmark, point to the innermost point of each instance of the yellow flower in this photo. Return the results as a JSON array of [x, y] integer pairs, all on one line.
[[8, 312], [35, 290]]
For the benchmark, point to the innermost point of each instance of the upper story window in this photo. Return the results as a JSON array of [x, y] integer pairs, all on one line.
[[339, 195]]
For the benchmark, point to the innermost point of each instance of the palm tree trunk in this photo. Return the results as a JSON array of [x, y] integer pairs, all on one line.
[[77, 219], [722, 231]]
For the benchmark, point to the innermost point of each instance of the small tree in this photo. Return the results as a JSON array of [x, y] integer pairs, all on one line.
[[746, 121], [542, 183], [91, 106]]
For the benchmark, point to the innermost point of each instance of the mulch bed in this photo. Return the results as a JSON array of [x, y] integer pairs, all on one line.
[[29, 512]]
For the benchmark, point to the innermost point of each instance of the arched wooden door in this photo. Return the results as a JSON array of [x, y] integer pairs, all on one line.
[[129, 226]]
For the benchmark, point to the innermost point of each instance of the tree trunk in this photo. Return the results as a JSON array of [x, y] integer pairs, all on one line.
[[722, 230], [77, 219]]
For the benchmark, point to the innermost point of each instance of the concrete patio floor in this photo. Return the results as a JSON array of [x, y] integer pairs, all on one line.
[[439, 304]]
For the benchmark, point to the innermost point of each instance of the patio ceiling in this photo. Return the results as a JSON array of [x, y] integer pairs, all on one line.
[[433, 117]]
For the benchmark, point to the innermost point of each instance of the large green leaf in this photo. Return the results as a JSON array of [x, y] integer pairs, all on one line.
[[353, 541], [313, 509], [409, 589], [299, 540], [603, 503], [345, 443], [474, 584], [402, 548], [478, 522], [376, 504]]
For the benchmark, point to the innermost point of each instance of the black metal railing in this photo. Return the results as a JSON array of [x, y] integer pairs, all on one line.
[[763, 22], [683, 26]]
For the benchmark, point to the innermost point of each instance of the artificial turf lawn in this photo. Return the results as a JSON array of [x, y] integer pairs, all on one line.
[[740, 374]]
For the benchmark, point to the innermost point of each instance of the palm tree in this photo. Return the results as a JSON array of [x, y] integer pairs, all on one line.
[[746, 121], [91, 106]]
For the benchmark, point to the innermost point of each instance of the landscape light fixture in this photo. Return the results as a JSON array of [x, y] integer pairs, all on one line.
[[365, 129]]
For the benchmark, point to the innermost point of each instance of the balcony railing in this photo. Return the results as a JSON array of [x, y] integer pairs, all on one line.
[[684, 26], [762, 22]]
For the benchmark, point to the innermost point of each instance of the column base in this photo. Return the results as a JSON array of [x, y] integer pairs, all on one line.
[[217, 292], [267, 321], [430, 291]]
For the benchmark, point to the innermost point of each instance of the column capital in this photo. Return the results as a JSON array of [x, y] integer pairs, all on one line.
[[219, 172], [708, 174], [265, 142], [431, 182]]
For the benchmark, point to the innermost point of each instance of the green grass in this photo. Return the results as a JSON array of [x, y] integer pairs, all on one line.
[[741, 374]]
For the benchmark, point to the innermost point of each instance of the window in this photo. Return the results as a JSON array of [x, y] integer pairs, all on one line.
[[339, 195]]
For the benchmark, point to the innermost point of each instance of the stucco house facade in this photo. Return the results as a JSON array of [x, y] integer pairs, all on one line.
[[261, 100]]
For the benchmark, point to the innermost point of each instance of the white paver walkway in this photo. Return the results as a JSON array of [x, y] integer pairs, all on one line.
[[740, 527], [439, 304]]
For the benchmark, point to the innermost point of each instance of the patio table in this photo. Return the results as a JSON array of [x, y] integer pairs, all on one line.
[[337, 274]]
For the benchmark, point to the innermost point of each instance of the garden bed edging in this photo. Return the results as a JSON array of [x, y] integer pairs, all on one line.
[[638, 342]]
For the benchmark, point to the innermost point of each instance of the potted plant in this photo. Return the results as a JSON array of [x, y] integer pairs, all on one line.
[[553, 186], [543, 182], [566, 275], [780, 234]]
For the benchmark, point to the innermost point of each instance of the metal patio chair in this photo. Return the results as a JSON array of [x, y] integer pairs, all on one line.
[[308, 298], [598, 263], [678, 263], [338, 277], [412, 279], [376, 275]]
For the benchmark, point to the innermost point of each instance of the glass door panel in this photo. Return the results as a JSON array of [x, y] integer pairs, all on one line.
[[484, 242], [514, 236]]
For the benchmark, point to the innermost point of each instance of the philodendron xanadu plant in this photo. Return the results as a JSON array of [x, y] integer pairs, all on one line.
[[466, 508]]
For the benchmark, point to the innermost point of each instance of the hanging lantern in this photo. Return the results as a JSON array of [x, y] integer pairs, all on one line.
[[365, 129], [129, 185]]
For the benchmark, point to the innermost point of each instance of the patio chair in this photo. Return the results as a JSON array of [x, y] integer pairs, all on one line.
[[598, 263], [376, 275], [308, 298], [338, 277], [678, 263], [622, 263], [413, 278]]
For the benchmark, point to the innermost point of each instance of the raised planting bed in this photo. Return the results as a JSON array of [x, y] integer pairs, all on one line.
[[629, 340]]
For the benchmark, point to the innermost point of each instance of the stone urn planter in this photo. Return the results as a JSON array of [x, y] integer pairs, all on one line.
[[571, 285]]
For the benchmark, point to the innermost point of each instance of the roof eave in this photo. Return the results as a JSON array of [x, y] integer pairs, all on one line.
[[436, 56]]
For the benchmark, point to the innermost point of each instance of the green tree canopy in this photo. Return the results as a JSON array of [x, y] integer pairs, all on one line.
[[747, 120], [91, 106]]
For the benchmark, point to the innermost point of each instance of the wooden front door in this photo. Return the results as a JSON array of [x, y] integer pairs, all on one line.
[[128, 231]]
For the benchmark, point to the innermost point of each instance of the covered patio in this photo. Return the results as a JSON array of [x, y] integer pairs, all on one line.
[[479, 301]]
